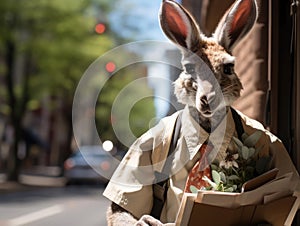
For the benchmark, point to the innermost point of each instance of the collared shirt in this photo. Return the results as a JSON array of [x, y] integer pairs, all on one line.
[[131, 184]]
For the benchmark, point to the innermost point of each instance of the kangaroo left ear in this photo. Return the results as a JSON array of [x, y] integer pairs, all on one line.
[[236, 23], [179, 26]]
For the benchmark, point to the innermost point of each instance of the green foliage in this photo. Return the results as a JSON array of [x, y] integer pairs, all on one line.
[[122, 89], [59, 38], [51, 43], [238, 167], [45, 47]]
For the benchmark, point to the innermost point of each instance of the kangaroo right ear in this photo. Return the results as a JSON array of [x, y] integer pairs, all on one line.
[[236, 23], [179, 26]]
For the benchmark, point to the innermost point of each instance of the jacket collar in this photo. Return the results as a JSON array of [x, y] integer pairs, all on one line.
[[195, 136]]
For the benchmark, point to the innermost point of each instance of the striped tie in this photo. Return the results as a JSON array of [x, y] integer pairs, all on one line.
[[201, 168]]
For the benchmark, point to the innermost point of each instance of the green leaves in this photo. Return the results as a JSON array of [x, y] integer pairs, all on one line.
[[238, 142], [193, 189], [251, 140], [223, 177], [239, 165], [245, 152], [233, 177], [221, 182], [216, 177], [246, 148]]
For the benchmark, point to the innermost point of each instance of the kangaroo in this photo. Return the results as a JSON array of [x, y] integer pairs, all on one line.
[[208, 82]]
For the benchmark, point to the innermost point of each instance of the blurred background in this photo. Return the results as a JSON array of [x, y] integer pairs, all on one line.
[[45, 48]]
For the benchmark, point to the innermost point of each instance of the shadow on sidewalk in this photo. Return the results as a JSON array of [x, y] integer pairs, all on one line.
[[30, 182], [10, 187]]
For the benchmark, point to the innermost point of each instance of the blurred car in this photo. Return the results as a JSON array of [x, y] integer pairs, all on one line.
[[90, 163]]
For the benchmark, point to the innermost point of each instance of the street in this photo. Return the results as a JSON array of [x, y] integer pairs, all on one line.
[[81, 205]]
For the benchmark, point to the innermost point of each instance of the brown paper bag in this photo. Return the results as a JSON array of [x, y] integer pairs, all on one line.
[[273, 202], [276, 213]]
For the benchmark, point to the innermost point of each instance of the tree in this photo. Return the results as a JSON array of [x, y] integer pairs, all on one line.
[[45, 47], [128, 90]]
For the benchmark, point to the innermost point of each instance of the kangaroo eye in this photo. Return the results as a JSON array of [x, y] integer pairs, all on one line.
[[228, 69], [190, 68]]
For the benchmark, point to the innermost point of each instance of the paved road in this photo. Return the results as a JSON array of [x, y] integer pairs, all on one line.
[[73, 205]]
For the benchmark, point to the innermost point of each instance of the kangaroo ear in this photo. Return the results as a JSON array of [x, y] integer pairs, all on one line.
[[236, 23], [179, 26]]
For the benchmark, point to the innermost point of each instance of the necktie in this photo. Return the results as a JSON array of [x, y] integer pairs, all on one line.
[[199, 170]]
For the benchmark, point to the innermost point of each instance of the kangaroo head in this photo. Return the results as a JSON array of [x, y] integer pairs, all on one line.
[[208, 81]]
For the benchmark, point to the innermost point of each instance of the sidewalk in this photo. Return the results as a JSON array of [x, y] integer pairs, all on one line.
[[29, 182], [11, 187]]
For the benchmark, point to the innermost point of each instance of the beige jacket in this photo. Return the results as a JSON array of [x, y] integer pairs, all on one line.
[[131, 184]]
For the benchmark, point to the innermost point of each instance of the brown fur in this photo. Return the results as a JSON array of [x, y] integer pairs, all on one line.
[[215, 53], [117, 216], [215, 57]]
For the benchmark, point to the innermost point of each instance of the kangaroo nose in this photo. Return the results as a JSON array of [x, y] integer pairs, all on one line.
[[204, 100], [211, 97], [208, 98]]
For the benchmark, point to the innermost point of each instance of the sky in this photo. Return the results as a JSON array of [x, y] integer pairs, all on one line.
[[138, 20]]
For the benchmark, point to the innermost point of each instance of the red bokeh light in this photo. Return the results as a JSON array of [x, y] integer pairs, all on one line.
[[100, 28], [110, 67]]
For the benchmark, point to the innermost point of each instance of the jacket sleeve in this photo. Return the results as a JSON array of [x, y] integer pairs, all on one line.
[[131, 184]]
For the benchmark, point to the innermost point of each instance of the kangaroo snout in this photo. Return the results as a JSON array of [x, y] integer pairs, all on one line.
[[208, 98], [207, 102]]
